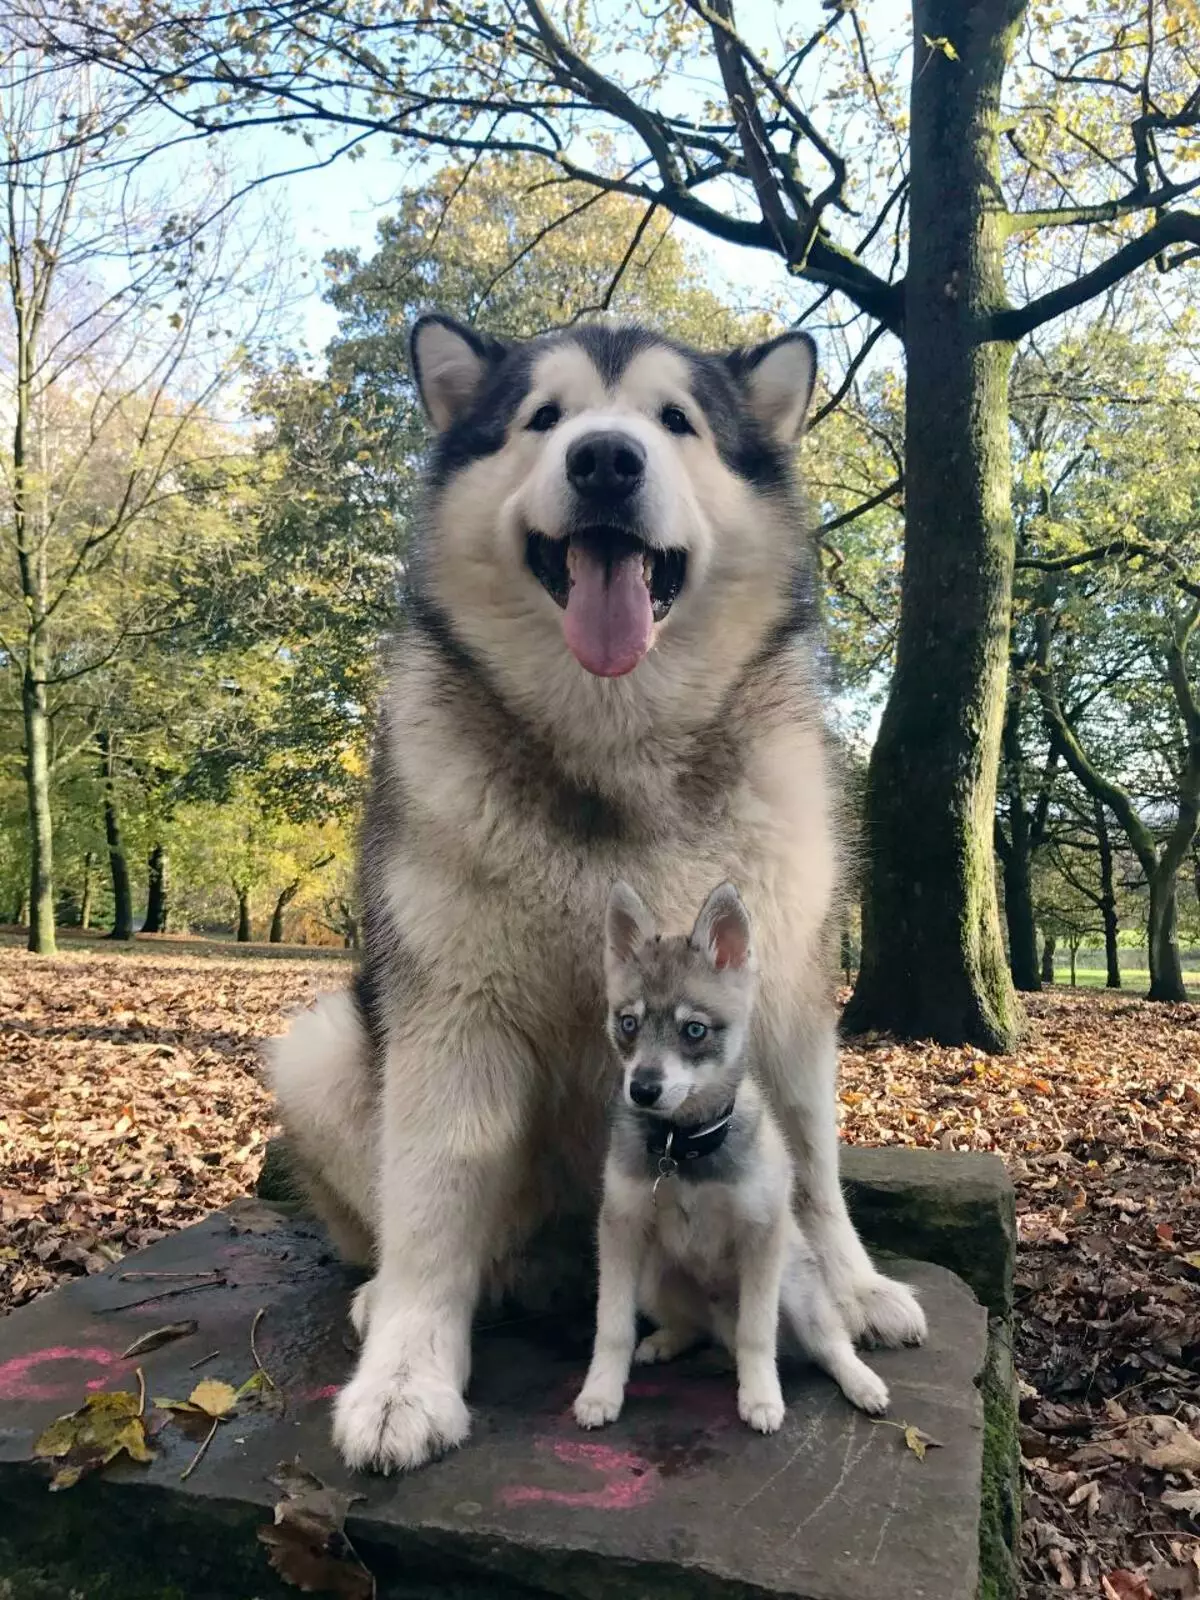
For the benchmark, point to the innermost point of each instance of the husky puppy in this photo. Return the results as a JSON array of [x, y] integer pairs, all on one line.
[[696, 1226], [604, 670]]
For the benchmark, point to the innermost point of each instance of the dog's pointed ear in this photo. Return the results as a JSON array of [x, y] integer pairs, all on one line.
[[722, 929], [449, 362], [778, 379], [628, 924]]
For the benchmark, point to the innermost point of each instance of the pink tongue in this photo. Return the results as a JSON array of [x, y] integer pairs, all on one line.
[[608, 621]]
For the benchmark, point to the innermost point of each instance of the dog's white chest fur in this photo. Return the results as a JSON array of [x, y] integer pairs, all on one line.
[[696, 1227]]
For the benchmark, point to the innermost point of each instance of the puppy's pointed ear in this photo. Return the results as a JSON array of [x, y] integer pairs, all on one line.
[[628, 925], [722, 929], [448, 363], [778, 379]]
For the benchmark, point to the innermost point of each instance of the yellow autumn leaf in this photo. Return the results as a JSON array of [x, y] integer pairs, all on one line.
[[915, 1442], [213, 1397], [104, 1427], [943, 44]]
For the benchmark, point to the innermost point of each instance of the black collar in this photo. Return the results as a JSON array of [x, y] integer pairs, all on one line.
[[676, 1143]]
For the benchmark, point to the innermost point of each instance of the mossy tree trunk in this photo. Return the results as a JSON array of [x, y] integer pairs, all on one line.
[[932, 955]]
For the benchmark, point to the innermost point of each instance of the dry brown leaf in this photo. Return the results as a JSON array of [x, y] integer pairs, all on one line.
[[1123, 1585], [158, 1337], [1162, 1442], [307, 1544], [1183, 1500]]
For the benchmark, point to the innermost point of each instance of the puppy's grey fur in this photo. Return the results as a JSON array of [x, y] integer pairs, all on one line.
[[527, 756], [705, 1244]]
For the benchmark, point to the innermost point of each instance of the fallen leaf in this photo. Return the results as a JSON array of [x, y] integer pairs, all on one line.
[[1165, 1232], [1123, 1585], [104, 1427], [307, 1544], [214, 1398], [919, 1442], [1162, 1442], [1183, 1500], [159, 1336]]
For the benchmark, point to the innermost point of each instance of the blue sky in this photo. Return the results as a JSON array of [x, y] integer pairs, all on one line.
[[341, 205]]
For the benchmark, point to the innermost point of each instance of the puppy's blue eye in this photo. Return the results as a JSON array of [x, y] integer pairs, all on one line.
[[628, 1024], [544, 418], [674, 420], [695, 1031]]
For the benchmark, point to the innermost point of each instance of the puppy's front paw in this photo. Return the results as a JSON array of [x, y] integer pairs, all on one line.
[[886, 1312], [864, 1389], [398, 1424], [595, 1407], [763, 1412]]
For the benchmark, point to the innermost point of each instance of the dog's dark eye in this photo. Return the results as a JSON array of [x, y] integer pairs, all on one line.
[[695, 1031], [628, 1024], [674, 420], [544, 418]]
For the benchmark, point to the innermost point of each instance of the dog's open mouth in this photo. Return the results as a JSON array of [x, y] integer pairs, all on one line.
[[613, 589]]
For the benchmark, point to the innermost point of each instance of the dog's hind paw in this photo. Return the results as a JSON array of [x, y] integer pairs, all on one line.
[[595, 1407], [398, 1425], [360, 1309], [764, 1413], [885, 1312], [664, 1344]]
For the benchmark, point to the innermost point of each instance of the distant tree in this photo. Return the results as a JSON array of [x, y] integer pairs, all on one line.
[[114, 338]]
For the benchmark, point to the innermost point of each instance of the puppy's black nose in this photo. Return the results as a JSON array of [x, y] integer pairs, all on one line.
[[606, 468], [644, 1091]]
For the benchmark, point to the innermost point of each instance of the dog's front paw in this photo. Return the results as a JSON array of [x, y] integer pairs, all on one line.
[[864, 1389], [764, 1412], [884, 1312], [595, 1407], [399, 1424]]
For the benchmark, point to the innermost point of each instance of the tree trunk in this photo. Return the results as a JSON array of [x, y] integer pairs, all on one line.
[[122, 927], [1108, 899], [1074, 949], [41, 827], [1048, 948], [932, 955], [243, 922], [286, 896], [22, 917], [1166, 971], [156, 894], [1018, 861], [85, 898]]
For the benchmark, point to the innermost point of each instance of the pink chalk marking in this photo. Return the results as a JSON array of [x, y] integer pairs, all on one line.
[[630, 1479], [15, 1383], [325, 1392]]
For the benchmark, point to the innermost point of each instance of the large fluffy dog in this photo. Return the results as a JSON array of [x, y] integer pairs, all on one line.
[[605, 670]]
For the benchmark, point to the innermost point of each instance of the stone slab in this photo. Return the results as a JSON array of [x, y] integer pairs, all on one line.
[[678, 1498], [953, 1207]]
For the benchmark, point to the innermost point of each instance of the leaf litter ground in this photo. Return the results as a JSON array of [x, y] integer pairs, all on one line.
[[130, 1106]]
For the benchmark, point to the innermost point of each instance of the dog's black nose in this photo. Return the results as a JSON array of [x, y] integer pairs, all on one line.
[[644, 1091], [606, 467]]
